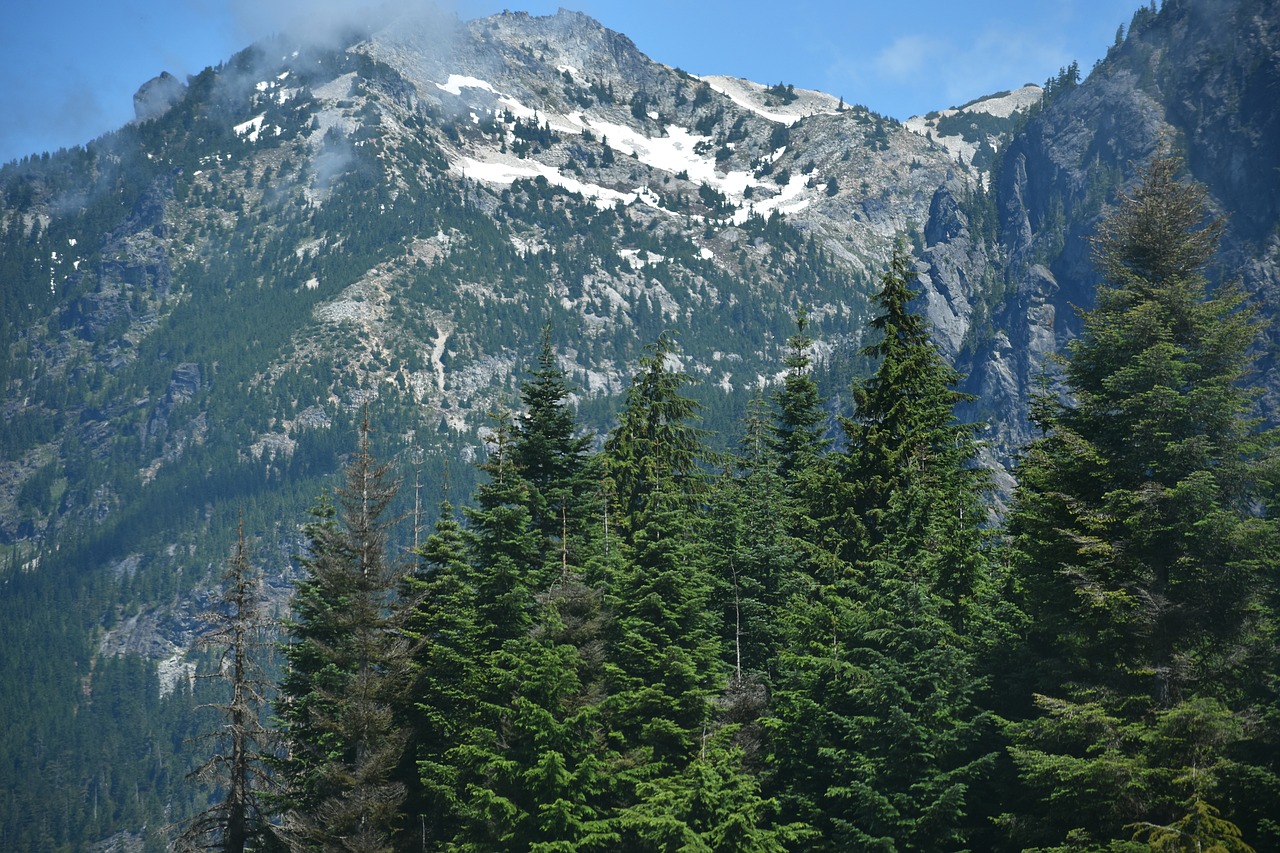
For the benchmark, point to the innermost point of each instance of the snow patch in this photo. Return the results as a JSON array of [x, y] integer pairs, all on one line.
[[507, 172], [637, 262], [250, 129], [558, 123], [754, 97], [457, 82], [792, 199]]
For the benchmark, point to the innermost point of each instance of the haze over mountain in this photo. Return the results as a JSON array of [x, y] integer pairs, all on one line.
[[68, 71], [196, 308]]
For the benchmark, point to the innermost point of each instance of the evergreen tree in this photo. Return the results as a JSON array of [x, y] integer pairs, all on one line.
[[751, 550], [798, 433], [910, 490], [876, 688], [347, 671], [876, 679], [549, 455], [1139, 550], [655, 446], [798, 442], [535, 774], [443, 627], [715, 805], [513, 753], [663, 652]]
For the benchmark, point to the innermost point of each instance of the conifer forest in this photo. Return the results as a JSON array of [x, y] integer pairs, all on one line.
[[836, 635], [430, 435]]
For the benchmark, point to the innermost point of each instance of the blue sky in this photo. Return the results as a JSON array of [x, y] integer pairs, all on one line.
[[69, 68]]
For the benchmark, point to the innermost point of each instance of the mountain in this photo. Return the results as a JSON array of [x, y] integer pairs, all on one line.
[[1201, 78], [197, 307], [302, 231]]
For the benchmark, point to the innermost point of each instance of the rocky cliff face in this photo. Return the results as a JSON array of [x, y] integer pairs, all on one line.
[[1200, 78], [194, 309], [423, 202], [155, 97]]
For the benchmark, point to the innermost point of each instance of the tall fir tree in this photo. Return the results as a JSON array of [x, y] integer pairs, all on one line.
[[442, 625], [656, 445], [910, 489], [552, 457], [878, 678], [529, 772], [798, 434], [348, 666], [664, 654], [507, 566], [752, 553], [1139, 549]]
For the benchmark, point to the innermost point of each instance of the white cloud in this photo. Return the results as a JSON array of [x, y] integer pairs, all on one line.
[[999, 58], [325, 22], [908, 57]]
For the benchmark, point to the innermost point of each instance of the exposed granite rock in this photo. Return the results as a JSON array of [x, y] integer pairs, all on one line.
[[157, 96], [1172, 82]]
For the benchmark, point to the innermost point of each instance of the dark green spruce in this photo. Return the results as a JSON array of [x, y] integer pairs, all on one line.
[[1143, 556], [343, 695], [877, 678]]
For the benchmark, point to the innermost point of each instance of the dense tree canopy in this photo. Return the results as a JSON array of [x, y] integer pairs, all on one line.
[[1140, 550], [817, 645]]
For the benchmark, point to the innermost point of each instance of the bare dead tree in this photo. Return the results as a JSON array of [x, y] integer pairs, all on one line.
[[237, 631]]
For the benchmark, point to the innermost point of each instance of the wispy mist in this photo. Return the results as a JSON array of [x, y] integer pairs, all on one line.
[[327, 23]]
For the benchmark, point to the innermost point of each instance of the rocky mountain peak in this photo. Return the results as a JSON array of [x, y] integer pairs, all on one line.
[[157, 96], [197, 308], [1175, 80]]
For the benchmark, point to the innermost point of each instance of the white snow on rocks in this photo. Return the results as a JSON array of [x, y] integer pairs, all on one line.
[[507, 171], [457, 82], [251, 128], [754, 96], [678, 151]]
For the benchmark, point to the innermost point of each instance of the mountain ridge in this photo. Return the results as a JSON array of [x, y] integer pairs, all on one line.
[[197, 306]]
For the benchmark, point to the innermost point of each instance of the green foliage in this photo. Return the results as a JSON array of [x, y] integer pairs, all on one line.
[[649, 647], [875, 680], [1200, 829], [714, 805], [1139, 551], [347, 670], [798, 436], [507, 569], [910, 491], [551, 457], [653, 457]]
